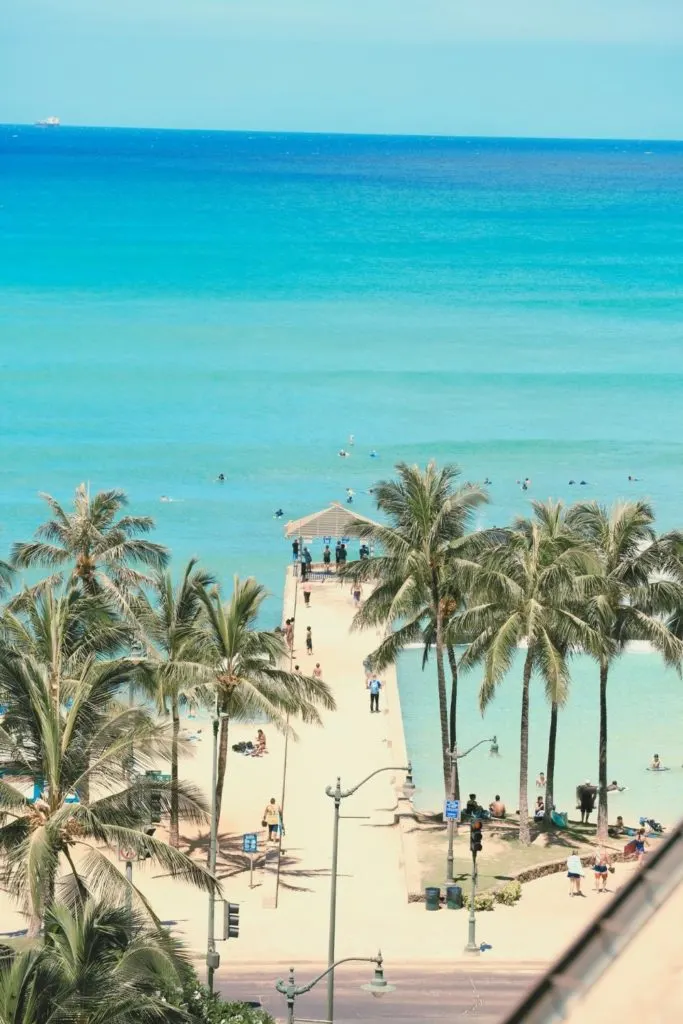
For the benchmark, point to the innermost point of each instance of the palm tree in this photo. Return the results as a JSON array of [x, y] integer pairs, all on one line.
[[168, 627], [525, 594], [249, 681], [423, 549], [99, 544], [66, 734], [97, 964], [632, 596]]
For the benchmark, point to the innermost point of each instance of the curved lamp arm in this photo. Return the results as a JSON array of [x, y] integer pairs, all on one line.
[[290, 990], [456, 756], [337, 793]]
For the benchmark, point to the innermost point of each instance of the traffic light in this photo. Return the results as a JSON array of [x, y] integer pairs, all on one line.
[[475, 837], [231, 920], [155, 806], [149, 831]]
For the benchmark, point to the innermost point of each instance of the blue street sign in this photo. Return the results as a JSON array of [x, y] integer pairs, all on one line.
[[452, 810], [250, 842]]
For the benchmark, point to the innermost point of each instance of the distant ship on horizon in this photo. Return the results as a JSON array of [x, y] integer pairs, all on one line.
[[49, 122]]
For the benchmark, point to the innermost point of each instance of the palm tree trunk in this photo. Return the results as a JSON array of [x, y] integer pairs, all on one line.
[[524, 832], [550, 765], [602, 757], [222, 765], [441, 681], [452, 731], [173, 837]]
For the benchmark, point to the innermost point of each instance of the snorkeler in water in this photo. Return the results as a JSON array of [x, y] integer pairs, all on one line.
[[278, 513], [221, 478]]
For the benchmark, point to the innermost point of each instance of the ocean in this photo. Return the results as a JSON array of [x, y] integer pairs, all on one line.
[[178, 304]]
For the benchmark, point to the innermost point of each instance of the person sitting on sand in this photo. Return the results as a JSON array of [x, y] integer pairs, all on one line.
[[656, 765], [539, 809], [497, 807], [618, 829], [259, 745], [472, 807]]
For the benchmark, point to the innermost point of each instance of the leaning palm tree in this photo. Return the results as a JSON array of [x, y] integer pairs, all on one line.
[[424, 544], [246, 663], [100, 546], [525, 595], [97, 964], [167, 624], [65, 744], [634, 593]]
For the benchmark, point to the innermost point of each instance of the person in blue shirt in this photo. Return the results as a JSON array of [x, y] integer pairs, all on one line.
[[374, 686]]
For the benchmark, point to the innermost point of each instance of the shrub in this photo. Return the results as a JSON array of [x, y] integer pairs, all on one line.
[[202, 1006], [509, 894], [482, 901]]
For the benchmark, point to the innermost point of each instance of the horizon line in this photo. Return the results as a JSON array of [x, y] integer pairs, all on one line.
[[346, 134]]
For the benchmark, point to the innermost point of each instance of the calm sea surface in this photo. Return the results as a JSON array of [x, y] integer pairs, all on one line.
[[179, 304]]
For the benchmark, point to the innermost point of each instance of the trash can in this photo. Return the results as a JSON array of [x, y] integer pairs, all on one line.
[[432, 897], [454, 897]]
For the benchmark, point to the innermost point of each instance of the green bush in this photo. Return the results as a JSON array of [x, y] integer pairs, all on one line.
[[482, 901], [202, 1006], [509, 894]]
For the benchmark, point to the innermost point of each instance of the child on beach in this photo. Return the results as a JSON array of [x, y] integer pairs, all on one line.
[[309, 640], [306, 587], [356, 591], [317, 671]]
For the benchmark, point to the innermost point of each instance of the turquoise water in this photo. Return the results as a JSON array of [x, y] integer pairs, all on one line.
[[645, 710], [179, 304]]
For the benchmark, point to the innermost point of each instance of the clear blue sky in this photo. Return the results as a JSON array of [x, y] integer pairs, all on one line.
[[588, 68]]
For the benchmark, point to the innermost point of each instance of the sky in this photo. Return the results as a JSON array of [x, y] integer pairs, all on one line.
[[570, 68]]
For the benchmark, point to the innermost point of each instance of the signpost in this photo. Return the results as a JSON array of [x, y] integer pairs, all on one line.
[[452, 810], [250, 846]]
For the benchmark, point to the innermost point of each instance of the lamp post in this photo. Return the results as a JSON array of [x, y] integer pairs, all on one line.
[[338, 795], [377, 987], [455, 756], [213, 958]]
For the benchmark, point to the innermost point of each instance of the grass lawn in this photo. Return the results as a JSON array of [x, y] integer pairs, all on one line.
[[502, 855]]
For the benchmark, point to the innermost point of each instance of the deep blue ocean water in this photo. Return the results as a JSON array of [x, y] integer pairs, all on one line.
[[179, 304]]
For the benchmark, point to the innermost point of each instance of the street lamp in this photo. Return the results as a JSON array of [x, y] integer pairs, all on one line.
[[338, 795], [456, 756], [213, 958], [377, 987]]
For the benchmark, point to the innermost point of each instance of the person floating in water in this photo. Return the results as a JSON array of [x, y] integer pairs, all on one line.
[[634, 479], [221, 478], [584, 483], [656, 765], [373, 454], [487, 482], [343, 454], [278, 513], [572, 482], [352, 440]]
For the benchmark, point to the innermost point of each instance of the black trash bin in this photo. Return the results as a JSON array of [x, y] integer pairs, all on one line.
[[432, 897], [454, 897]]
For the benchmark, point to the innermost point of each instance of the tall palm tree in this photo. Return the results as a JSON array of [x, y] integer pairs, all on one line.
[[423, 545], [168, 626], [246, 661], [525, 594], [634, 593], [66, 734], [99, 544], [97, 964]]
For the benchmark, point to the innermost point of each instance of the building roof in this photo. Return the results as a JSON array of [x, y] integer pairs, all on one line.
[[335, 521]]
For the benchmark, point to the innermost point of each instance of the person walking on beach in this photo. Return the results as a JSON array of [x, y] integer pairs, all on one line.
[[374, 686], [575, 873], [600, 869], [309, 640], [307, 592], [356, 591], [640, 843], [271, 819]]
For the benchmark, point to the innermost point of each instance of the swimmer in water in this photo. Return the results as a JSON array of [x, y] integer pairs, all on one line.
[[373, 454], [634, 479], [343, 454], [584, 483], [487, 482], [572, 482], [278, 513], [352, 440], [164, 497], [221, 478], [349, 496], [656, 765]]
